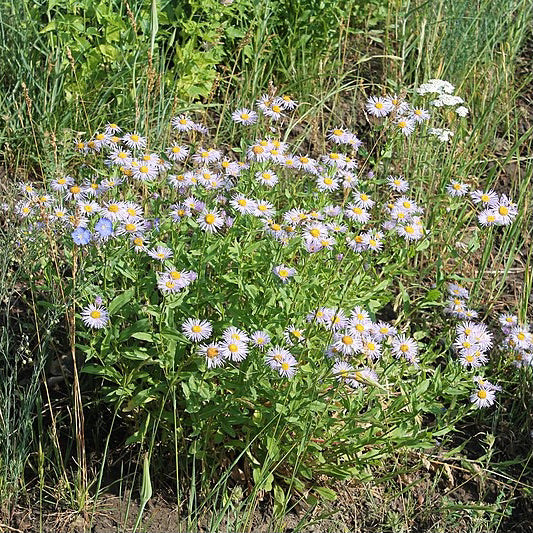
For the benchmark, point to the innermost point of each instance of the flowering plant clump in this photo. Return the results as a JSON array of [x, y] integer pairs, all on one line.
[[251, 285]]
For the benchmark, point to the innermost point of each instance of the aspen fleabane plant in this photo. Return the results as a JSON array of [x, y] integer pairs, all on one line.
[[258, 285]]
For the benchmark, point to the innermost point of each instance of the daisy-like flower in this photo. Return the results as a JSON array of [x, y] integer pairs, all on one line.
[[357, 213], [399, 105], [266, 177], [472, 358], [379, 106], [160, 253], [454, 289], [405, 347], [264, 209], [258, 152], [410, 232], [293, 335], [264, 102], [347, 343], [120, 157], [88, 208], [234, 350], [307, 164], [213, 354], [456, 188], [352, 140], [343, 372], [243, 205], [419, 115], [182, 123], [363, 200], [145, 171], [398, 183], [235, 334], [483, 383], [61, 184], [486, 199], [274, 110], [134, 140], [196, 330], [112, 128], [406, 125], [244, 116], [181, 277], [371, 347], [284, 273], [326, 183], [287, 102], [487, 217], [334, 159], [114, 211], [210, 220], [95, 316], [505, 210], [132, 226], [507, 320], [373, 240], [483, 398], [338, 135], [74, 192], [177, 152], [260, 339], [167, 285], [382, 330]]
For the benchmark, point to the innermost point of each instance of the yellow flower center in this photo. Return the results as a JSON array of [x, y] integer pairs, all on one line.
[[334, 156], [404, 348], [245, 116], [75, 189], [175, 274], [285, 366], [276, 108], [96, 314], [114, 208], [130, 227], [209, 218], [503, 210], [485, 198], [143, 169], [170, 284], [138, 241], [242, 202], [346, 339], [176, 149], [212, 352], [275, 227], [233, 348], [482, 394], [258, 150], [283, 273], [315, 232], [134, 138], [402, 124], [379, 105], [328, 181], [196, 329]]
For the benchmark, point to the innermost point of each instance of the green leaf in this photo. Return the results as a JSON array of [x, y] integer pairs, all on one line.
[[121, 300]]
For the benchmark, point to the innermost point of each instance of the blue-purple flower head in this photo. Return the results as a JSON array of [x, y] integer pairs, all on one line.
[[104, 228], [81, 236]]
